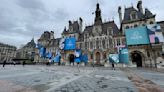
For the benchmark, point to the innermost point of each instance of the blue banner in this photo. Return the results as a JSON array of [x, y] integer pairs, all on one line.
[[77, 52], [70, 44], [49, 55], [114, 58], [42, 52], [38, 46], [77, 60], [136, 36], [124, 56], [84, 58]]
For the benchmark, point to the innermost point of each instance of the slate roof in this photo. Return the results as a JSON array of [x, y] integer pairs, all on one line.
[[54, 42], [140, 15], [128, 11], [30, 44], [7, 45], [111, 24], [105, 27], [45, 36], [74, 25], [148, 13]]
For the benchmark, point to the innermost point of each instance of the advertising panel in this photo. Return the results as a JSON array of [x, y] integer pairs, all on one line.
[[124, 56], [114, 58], [136, 36], [155, 33], [70, 44]]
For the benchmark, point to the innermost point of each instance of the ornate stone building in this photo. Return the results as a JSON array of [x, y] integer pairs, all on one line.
[[96, 40], [7, 52], [104, 38], [27, 51], [48, 41], [145, 54]]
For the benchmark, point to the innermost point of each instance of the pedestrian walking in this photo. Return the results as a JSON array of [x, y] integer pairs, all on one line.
[[23, 63], [14, 63], [113, 68], [4, 63]]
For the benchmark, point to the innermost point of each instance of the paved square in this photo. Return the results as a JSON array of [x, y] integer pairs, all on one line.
[[40, 78]]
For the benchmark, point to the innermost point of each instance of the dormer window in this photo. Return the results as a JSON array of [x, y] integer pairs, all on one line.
[[133, 15], [110, 31]]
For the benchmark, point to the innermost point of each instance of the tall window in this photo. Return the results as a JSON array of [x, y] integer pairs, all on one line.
[[91, 44], [118, 42], [133, 15], [86, 45], [103, 43], [97, 44]]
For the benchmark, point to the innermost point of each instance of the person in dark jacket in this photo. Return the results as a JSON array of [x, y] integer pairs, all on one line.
[[113, 66], [4, 63], [23, 63]]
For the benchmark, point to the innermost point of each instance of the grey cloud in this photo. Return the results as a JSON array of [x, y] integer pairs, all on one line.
[[31, 4], [20, 20]]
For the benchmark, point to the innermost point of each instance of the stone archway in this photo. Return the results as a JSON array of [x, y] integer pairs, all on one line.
[[137, 58], [98, 57]]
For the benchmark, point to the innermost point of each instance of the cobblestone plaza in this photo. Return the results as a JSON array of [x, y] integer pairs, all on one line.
[[41, 78]]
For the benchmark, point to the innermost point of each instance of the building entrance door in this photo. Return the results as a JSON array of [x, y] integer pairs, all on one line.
[[98, 58], [71, 58], [137, 58]]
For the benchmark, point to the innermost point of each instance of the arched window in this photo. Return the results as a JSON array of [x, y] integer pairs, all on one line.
[[103, 42], [135, 25], [151, 22], [127, 27]]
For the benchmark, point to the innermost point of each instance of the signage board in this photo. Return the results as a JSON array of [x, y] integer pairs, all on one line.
[[137, 36]]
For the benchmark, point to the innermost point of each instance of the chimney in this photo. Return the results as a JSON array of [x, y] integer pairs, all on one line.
[[120, 14], [139, 6], [80, 24], [52, 35]]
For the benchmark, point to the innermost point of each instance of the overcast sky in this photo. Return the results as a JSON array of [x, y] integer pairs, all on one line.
[[21, 20]]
